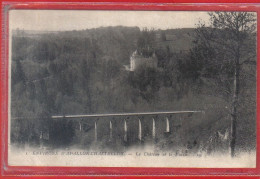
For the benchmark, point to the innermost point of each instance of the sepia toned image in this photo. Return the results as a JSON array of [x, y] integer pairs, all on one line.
[[132, 88]]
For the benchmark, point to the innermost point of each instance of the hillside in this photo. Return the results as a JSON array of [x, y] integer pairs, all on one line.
[[82, 72], [178, 40]]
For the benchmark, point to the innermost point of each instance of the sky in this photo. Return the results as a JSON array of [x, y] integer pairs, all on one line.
[[61, 20]]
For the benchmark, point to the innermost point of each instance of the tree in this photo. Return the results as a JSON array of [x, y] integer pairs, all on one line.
[[223, 48], [163, 36], [18, 74], [145, 43]]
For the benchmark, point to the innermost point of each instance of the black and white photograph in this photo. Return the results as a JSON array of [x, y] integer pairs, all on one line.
[[113, 88]]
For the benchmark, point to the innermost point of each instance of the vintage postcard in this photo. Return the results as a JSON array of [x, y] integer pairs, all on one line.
[[97, 88]]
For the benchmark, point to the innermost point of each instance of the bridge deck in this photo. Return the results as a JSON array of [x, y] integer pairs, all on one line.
[[123, 114]]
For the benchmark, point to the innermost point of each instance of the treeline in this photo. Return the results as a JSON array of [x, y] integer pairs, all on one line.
[[82, 72]]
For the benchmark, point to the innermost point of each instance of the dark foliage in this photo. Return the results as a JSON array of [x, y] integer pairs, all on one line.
[[82, 72]]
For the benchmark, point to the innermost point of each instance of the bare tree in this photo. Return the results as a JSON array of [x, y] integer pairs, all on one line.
[[232, 36]]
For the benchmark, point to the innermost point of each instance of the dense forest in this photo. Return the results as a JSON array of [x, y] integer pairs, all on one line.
[[83, 72]]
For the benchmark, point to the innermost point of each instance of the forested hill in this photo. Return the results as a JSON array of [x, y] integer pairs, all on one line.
[[119, 42], [66, 65], [82, 72]]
